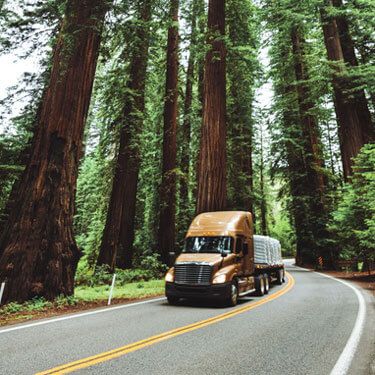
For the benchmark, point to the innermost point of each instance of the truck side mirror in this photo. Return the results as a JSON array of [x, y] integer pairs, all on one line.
[[245, 249]]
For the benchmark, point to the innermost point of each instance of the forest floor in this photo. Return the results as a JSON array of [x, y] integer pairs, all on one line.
[[366, 280], [85, 298], [363, 279]]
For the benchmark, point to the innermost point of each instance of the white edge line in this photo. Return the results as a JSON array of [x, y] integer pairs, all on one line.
[[343, 363], [43, 322]]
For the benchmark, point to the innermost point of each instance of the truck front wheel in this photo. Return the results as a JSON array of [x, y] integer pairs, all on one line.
[[233, 298]]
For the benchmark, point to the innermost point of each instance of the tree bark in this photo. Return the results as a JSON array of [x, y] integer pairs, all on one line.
[[353, 127], [166, 231], [118, 236], [184, 213], [39, 253], [212, 193], [358, 95]]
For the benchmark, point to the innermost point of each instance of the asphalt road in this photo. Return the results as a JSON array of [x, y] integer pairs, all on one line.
[[302, 327]]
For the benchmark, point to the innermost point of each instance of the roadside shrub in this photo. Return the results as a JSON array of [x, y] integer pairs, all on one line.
[[354, 219], [148, 268], [37, 304], [11, 307]]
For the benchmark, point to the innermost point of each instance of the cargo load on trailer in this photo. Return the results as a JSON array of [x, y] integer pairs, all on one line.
[[219, 260]]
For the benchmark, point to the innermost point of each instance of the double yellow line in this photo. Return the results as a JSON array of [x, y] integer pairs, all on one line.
[[115, 353]]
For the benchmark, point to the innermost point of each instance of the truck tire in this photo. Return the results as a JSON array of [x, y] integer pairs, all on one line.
[[259, 285], [279, 277], [283, 279], [231, 301], [172, 300], [266, 283]]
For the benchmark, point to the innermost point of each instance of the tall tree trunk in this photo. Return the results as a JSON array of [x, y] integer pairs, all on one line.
[[184, 217], [312, 147], [348, 50], [241, 78], [212, 192], [166, 233], [354, 128], [118, 236], [39, 253], [310, 129], [201, 42]]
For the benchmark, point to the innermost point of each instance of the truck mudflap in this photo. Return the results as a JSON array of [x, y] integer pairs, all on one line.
[[198, 291]]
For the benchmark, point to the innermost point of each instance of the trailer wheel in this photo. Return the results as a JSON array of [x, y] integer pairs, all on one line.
[[266, 283], [279, 277], [172, 300], [283, 279], [259, 285], [233, 298]]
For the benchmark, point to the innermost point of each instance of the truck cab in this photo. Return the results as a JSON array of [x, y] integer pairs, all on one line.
[[217, 260]]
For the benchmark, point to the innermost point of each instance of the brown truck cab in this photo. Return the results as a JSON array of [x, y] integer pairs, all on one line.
[[217, 260]]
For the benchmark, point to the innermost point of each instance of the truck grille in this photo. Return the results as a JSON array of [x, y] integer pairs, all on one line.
[[192, 273]]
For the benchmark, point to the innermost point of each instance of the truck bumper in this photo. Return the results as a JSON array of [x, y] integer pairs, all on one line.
[[215, 291]]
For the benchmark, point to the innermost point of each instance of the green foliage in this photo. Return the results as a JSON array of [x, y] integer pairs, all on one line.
[[129, 291], [354, 219], [147, 268], [36, 304]]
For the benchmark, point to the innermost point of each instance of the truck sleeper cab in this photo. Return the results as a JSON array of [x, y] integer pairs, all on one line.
[[217, 261]]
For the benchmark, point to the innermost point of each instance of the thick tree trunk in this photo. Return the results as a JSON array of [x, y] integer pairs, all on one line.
[[166, 233], [353, 121], [212, 193], [39, 253], [359, 97], [184, 217], [118, 236]]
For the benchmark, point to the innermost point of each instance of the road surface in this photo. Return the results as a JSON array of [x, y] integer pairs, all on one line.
[[301, 327]]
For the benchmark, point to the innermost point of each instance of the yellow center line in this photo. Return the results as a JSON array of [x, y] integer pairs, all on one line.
[[111, 354]]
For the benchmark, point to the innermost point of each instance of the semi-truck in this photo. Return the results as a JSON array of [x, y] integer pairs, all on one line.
[[222, 259]]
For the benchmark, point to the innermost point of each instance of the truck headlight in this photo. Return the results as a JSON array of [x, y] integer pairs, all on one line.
[[220, 279], [169, 277]]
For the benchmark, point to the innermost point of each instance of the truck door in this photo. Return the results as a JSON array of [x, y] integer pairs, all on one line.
[[239, 255], [243, 256]]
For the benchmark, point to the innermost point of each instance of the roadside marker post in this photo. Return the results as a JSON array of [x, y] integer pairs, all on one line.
[[111, 290], [2, 291]]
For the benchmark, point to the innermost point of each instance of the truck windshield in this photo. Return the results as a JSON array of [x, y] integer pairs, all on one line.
[[208, 245]]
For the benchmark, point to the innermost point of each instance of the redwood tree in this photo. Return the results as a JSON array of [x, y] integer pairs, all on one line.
[[354, 123], [38, 251], [312, 147], [184, 210], [166, 231], [118, 236], [212, 192]]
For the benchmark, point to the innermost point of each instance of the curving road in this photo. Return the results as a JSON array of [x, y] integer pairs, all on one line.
[[302, 327]]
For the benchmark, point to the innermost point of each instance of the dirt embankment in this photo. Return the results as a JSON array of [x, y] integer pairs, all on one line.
[[362, 279]]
